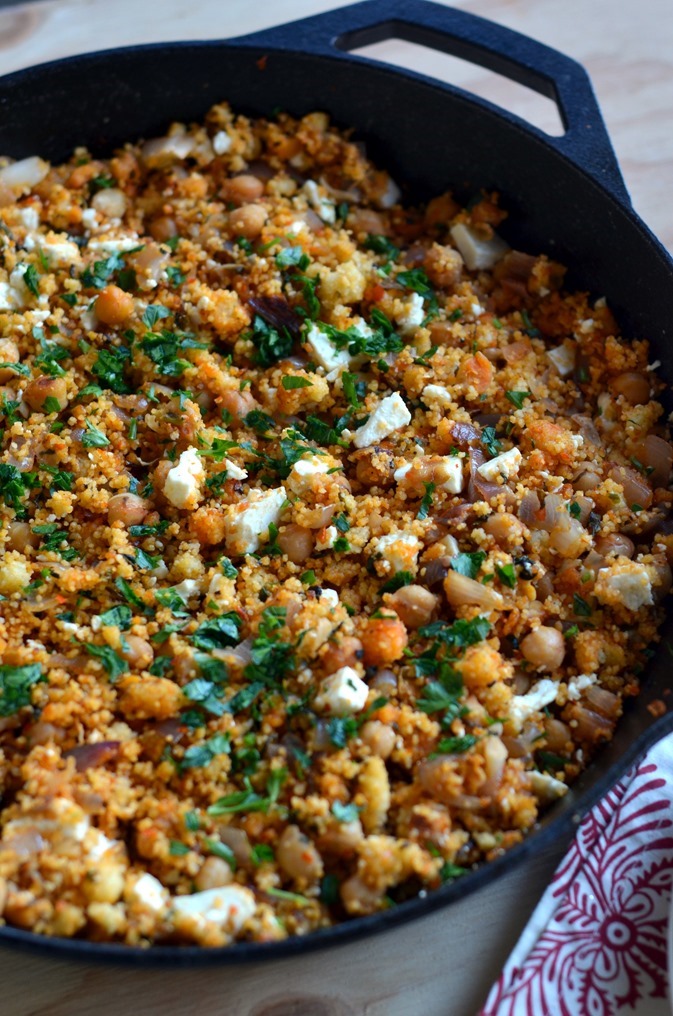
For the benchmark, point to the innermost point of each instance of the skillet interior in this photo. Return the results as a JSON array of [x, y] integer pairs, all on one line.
[[430, 136]]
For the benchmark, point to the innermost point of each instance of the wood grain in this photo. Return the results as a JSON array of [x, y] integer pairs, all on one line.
[[443, 965]]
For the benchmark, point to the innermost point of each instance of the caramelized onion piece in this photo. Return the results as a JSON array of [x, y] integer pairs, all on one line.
[[88, 756], [276, 312]]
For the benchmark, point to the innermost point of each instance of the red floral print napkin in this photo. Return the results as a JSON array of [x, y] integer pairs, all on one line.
[[596, 944]]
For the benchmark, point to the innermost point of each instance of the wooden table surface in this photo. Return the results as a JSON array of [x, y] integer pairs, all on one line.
[[443, 965]]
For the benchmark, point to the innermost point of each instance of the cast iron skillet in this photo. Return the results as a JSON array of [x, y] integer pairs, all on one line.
[[566, 197]]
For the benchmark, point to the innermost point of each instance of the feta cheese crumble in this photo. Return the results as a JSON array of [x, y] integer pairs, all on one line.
[[390, 415], [183, 482], [342, 693], [249, 520], [504, 465]]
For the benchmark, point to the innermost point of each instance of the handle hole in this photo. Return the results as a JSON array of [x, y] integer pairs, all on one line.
[[536, 109]]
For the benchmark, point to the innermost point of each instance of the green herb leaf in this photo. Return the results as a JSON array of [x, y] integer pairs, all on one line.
[[221, 850], [93, 438], [109, 367], [456, 745], [580, 606], [468, 564], [381, 245], [219, 633], [293, 257], [199, 755], [345, 812], [113, 663], [262, 853], [507, 575], [271, 345], [15, 686], [291, 382], [399, 579], [128, 593], [426, 502], [18, 368], [32, 279], [518, 398], [120, 616], [155, 312]]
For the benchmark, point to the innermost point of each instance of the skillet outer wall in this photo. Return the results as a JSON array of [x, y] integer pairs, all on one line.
[[431, 136]]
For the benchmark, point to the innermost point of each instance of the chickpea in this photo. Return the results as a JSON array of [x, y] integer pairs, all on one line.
[[237, 404], [544, 648], [129, 509], [214, 872], [9, 353], [297, 542], [414, 604], [298, 857], [359, 898], [366, 220], [110, 202], [443, 266], [104, 884], [615, 543], [344, 653], [163, 228], [375, 467], [20, 536], [43, 388], [247, 221], [379, 737], [634, 387], [113, 306], [587, 481], [384, 639], [137, 651], [242, 189], [504, 528]]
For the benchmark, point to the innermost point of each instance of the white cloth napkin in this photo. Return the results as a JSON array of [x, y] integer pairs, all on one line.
[[596, 944]]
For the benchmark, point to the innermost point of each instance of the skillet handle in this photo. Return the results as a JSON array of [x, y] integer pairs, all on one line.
[[585, 142]]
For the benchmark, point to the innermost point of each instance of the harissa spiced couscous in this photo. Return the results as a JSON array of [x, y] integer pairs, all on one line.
[[333, 536]]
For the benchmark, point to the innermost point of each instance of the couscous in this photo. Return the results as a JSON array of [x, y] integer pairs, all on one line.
[[334, 534]]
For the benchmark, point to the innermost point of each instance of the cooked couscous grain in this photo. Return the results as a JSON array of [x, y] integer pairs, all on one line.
[[334, 535]]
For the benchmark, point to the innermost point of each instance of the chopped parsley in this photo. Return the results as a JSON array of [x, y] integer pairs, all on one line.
[[109, 367], [155, 312], [114, 664], [56, 540], [32, 280], [271, 345], [163, 349], [354, 390], [12, 485], [345, 812], [218, 633], [426, 502], [468, 564], [293, 381], [399, 579], [456, 745], [93, 438], [580, 606], [293, 257], [199, 755], [119, 616], [489, 441], [15, 686], [248, 799], [507, 575], [517, 398]]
